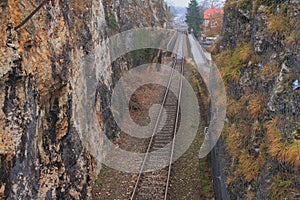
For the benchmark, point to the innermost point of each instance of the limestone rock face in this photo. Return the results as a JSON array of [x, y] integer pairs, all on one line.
[[271, 32], [264, 83], [135, 14], [56, 80]]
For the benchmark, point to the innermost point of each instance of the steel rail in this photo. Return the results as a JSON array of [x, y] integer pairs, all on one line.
[[175, 130], [156, 126], [154, 130]]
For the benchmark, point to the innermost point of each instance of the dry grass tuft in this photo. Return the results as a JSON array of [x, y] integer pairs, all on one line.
[[257, 106], [281, 188], [277, 24], [270, 70], [281, 150], [231, 62], [249, 166], [234, 108]]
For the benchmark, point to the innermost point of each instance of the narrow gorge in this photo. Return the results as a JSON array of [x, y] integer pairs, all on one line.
[[58, 74]]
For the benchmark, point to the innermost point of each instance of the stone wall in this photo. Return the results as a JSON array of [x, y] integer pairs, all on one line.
[[263, 109], [56, 80]]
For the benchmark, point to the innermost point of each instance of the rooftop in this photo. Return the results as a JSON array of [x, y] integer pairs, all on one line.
[[212, 12]]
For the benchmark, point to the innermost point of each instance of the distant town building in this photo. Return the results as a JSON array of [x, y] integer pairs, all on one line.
[[212, 24]]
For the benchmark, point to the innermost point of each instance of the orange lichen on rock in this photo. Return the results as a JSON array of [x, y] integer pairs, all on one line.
[[6, 144], [62, 122], [2, 189], [15, 12]]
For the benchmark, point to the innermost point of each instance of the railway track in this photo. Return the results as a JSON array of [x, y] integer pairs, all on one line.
[[154, 185]]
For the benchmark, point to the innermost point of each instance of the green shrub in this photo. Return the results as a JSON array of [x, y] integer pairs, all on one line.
[[112, 23], [231, 62]]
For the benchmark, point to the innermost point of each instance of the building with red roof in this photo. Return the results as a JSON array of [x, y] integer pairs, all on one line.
[[213, 18]]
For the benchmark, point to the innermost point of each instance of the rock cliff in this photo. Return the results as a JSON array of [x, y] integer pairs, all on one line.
[[55, 80], [259, 62]]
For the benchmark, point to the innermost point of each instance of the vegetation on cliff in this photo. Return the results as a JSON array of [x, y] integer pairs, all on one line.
[[259, 61]]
